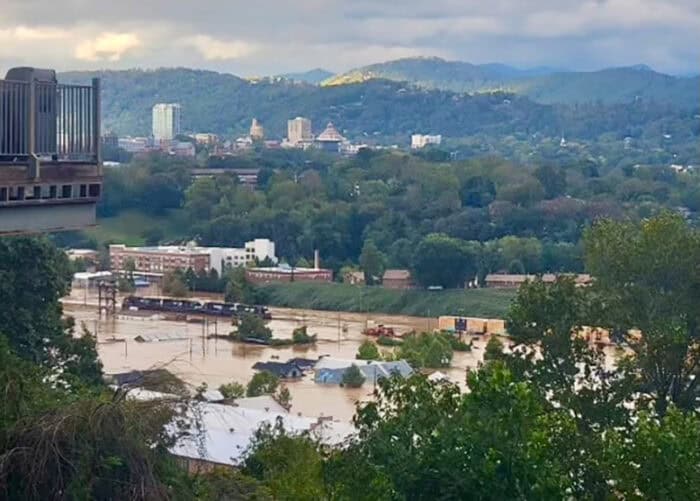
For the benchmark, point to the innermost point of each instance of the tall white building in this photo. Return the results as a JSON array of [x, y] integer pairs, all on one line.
[[166, 121], [422, 140], [299, 131]]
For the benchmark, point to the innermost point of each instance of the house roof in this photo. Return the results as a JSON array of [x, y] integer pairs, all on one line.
[[397, 275], [262, 403], [331, 134], [303, 363], [278, 368], [331, 370], [225, 432]]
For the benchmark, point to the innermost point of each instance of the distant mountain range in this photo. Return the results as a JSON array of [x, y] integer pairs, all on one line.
[[544, 85], [315, 76], [370, 110]]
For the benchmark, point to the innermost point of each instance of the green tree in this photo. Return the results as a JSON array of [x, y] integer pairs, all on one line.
[[427, 350], [300, 335], [353, 377], [174, 284], [552, 179], [368, 351], [238, 289], [232, 390], [493, 350], [262, 383], [372, 262], [284, 397], [444, 261], [290, 467], [253, 326], [648, 277]]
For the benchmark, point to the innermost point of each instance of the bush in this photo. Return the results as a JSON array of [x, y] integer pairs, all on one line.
[[262, 383], [301, 336], [431, 351], [457, 344], [174, 285], [494, 349], [232, 390], [253, 327], [368, 351], [388, 341], [353, 377]]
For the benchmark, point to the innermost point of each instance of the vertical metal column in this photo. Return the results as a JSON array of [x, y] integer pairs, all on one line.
[[97, 123], [33, 158]]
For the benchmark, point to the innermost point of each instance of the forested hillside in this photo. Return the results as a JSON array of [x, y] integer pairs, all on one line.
[[377, 110], [543, 85]]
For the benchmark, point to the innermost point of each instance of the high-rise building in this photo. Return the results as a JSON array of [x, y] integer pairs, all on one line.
[[257, 133], [166, 121], [299, 131]]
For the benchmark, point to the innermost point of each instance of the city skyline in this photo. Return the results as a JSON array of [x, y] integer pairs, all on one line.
[[225, 36]]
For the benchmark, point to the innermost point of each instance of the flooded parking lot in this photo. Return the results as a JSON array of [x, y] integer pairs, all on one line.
[[198, 359]]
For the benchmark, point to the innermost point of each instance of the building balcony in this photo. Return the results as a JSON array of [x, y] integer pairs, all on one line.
[[50, 165]]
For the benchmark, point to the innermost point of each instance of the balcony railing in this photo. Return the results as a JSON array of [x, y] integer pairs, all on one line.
[[48, 121]]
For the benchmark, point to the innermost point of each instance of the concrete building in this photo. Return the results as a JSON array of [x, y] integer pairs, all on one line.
[[206, 138], [286, 273], [183, 149], [166, 121], [422, 140], [513, 281], [134, 144], [161, 259], [299, 131], [330, 139], [165, 258], [257, 132]]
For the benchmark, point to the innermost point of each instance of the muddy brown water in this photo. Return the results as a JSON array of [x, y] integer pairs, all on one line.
[[198, 359]]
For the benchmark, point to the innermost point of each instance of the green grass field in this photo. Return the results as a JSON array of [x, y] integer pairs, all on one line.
[[492, 303], [130, 226]]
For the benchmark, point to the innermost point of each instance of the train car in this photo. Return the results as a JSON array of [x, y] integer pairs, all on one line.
[[219, 309]]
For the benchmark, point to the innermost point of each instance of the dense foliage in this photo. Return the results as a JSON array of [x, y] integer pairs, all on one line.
[[450, 222]]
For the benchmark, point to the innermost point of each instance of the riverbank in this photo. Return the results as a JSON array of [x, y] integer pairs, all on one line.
[[487, 303]]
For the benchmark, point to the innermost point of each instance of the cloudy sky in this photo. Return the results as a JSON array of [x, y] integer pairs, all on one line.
[[273, 36]]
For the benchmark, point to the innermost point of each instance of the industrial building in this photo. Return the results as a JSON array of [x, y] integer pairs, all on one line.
[[50, 152], [166, 121], [165, 258], [513, 281], [286, 273]]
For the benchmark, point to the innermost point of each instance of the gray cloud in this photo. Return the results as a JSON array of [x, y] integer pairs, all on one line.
[[271, 36]]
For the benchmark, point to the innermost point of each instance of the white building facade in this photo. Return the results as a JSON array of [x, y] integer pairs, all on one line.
[[166, 121], [419, 141]]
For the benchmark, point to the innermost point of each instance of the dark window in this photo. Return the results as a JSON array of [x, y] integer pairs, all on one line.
[[66, 191], [83, 190], [3, 194], [37, 192], [50, 192], [94, 190]]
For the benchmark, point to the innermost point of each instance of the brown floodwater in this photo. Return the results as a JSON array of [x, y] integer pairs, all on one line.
[[198, 359]]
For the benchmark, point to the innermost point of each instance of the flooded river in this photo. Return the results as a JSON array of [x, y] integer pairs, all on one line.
[[197, 360]]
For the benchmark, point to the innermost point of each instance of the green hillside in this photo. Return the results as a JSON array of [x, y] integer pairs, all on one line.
[[375, 110], [609, 86]]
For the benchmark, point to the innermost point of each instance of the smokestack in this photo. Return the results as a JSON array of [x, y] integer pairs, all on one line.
[[317, 260]]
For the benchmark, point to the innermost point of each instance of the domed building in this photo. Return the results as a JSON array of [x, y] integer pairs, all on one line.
[[330, 139]]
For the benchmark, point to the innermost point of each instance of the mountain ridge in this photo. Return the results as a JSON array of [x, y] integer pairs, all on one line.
[[543, 85]]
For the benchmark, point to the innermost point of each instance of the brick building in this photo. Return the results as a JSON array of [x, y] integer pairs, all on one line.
[[279, 274], [158, 259]]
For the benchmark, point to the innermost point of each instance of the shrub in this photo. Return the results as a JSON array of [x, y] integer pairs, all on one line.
[[232, 390], [353, 377], [262, 383], [368, 351]]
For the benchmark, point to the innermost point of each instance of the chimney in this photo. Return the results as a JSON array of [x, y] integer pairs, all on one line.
[[317, 260]]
